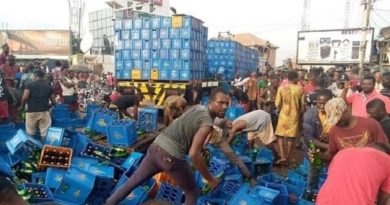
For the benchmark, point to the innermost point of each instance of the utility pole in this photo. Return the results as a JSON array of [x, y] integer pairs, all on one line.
[[347, 13], [305, 24], [363, 43]]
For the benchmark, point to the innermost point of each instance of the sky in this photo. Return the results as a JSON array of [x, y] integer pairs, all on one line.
[[277, 21]]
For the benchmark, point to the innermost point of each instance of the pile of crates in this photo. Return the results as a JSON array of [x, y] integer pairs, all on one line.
[[227, 57], [160, 48]]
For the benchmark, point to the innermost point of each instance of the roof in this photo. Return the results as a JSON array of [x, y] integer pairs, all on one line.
[[251, 40]]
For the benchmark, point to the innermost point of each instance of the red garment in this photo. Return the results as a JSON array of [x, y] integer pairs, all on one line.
[[4, 109], [365, 132], [3, 58], [114, 97], [309, 88], [355, 176], [359, 102], [10, 72], [110, 80]]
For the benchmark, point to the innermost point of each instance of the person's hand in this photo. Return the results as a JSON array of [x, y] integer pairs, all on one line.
[[20, 109], [310, 154], [213, 183], [230, 136], [229, 124], [324, 137]]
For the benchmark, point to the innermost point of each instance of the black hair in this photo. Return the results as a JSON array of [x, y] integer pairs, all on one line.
[[325, 92], [370, 78], [376, 103], [215, 91], [387, 75], [367, 69], [382, 147], [292, 75], [7, 189], [58, 63], [39, 73]]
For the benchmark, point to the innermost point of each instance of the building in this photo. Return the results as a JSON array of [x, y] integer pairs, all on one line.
[[101, 25], [266, 49], [383, 46]]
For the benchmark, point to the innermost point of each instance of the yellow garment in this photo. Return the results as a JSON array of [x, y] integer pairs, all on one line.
[[290, 101], [325, 126]]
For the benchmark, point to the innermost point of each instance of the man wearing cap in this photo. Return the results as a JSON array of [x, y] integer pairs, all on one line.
[[349, 130], [358, 101]]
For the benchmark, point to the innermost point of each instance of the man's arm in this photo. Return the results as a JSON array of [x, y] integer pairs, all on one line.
[[26, 95], [195, 153], [383, 198]]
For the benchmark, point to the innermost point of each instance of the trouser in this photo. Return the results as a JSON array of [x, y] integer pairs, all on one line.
[[231, 156], [312, 178], [158, 160], [42, 120]]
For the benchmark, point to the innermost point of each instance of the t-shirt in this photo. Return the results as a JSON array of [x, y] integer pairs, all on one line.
[[324, 123], [256, 120], [355, 176], [359, 102], [177, 138], [40, 92], [385, 123], [126, 101], [365, 132]]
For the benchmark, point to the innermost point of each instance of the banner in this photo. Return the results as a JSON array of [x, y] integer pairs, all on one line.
[[332, 46], [38, 43]]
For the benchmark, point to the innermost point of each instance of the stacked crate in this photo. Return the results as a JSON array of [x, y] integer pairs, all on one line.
[[227, 57], [160, 48]]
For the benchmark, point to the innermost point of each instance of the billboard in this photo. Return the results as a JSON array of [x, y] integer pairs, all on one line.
[[332, 46], [29, 44]]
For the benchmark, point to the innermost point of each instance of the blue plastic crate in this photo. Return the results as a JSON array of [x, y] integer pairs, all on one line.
[[147, 65], [127, 24], [139, 194], [134, 159], [155, 54], [185, 54], [262, 167], [156, 44], [227, 190], [293, 174], [145, 74], [321, 180], [166, 43], [164, 74], [119, 65], [137, 64], [174, 33], [268, 195], [156, 22], [82, 162], [100, 171], [90, 147], [169, 193], [126, 55], [164, 54], [40, 187], [118, 24], [186, 64], [175, 53], [60, 111], [127, 45], [21, 146], [175, 74], [233, 113], [118, 55], [146, 44], [100, 118], [166, 22], [38, 178], [125, 34], [205, 200], [248, 162], [186, 75], [146, 23], [283, 197], [5, 168], [76, 185], [145, 54], [54, 136], [177, 43], [186, 33], [69, 124], [155, 34], [148, 119], [166, 64], [164, 33], [176, 64], [136, 54], [243, 196], [54, 177], [7, 131], [127, 64], [135, 34], [122, 132], [137, 23], [270, 179]]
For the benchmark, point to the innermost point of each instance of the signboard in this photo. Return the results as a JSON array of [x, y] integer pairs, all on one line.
[[332, 46], [29, 44]]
